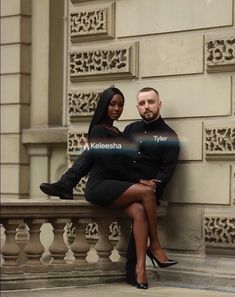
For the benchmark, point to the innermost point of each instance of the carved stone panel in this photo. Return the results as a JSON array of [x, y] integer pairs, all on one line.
[[92, 24], [220, 141], [92, 232], [80, 188], [76, 143], [220, 54], [82, 103], [104, 63], [219, 230]]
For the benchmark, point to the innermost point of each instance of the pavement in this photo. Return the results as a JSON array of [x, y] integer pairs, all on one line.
[[124, 290]]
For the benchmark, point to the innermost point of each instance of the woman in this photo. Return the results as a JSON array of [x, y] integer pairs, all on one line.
[[112, 184]]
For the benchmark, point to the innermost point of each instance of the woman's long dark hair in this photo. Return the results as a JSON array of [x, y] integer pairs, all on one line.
[[102, 107]]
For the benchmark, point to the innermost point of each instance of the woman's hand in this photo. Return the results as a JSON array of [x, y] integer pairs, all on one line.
[[149, 183]]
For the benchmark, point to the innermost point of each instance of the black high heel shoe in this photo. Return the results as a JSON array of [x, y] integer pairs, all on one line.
[[165, 264], [142, 286]]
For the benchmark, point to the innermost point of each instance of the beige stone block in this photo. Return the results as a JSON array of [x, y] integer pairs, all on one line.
[[15, 58], [14, 179], [171, 56], [20, 114], [15, 88], [151, 17], [12, 151], [15, 7], [182, 97], [187, 231], [190, 138], [15, 29], [204, 183]]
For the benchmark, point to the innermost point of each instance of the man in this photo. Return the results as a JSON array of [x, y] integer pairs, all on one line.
[[154, 163]]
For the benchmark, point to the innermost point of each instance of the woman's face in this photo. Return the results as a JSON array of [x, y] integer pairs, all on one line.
[[115, 107]]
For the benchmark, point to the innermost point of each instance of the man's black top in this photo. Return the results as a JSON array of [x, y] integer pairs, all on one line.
[[157, 153]]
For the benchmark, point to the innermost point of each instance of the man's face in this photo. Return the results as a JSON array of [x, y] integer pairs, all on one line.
[[148, 104]]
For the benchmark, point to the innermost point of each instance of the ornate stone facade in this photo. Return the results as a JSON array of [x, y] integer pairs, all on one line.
[[76, 143], [92, 24], [220, 54], [104, 63], [92, 232], [80, 188], [220, 231], [220, 141], [83, 103]]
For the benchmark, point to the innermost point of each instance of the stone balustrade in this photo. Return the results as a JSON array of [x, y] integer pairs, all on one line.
[[22, 250]]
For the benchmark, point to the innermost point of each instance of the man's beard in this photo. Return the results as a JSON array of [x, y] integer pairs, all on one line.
[[149, 117]]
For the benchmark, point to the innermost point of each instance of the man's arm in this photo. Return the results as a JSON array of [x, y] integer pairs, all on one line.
[[168, 163]]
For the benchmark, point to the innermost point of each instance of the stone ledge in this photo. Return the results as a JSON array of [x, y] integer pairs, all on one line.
[[56, 208], [60, 279], [205, 270], [44, 135]]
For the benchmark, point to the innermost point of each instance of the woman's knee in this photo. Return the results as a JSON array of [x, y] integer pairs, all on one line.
[[138, 211]]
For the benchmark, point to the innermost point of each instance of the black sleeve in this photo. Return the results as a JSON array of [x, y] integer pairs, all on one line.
[[168, 162], [113, 160]]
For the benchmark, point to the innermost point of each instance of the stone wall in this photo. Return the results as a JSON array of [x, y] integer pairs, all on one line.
[[186, 50], [15, 95]]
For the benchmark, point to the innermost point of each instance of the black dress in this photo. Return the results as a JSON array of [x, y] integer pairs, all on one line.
[[111, 174]]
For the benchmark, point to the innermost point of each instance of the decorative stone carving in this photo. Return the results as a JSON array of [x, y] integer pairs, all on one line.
[[220, 141], [220, 54], [80, 188], [76, 143], [82, 104], [220, 231], [92, 24], [104, 63], [92, 232]]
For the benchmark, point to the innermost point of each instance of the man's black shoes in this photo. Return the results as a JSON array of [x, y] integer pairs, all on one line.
[[57, 189]]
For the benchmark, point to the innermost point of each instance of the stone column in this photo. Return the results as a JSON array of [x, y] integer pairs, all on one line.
[[58, 248], [22, 237], [122, 244], [80, 246], [103, 246], [34, 249], [39, 169], [10, 249]]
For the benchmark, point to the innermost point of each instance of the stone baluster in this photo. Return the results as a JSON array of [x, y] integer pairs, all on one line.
[[122, 244], [104, 246], [58, 248], [22, 237], [34, 248], [80, 246], [10, 249]]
